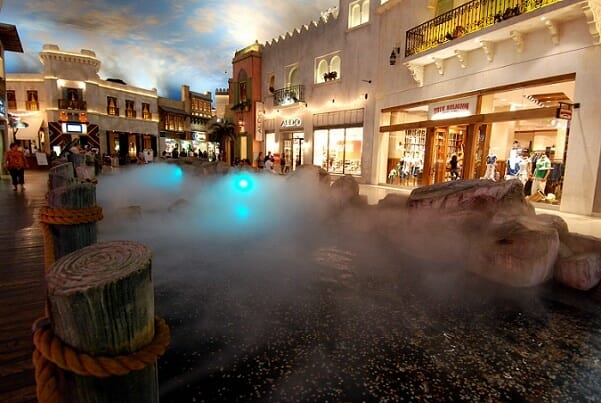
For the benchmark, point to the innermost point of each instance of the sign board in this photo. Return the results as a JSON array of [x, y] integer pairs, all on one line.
[[292, 122], [564, 111], [41, 159], [453, 108], [259, 119]]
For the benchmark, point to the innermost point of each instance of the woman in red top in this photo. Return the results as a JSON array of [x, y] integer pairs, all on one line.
[[15, 163]]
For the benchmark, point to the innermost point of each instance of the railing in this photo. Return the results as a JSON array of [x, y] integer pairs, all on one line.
[[146, 115], [467, 18], [289, 95], [32, 106], [112, 110], [72, 104], [130, 113]]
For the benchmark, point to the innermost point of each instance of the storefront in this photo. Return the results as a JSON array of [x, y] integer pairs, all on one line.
[[492, 134], [338, 141]]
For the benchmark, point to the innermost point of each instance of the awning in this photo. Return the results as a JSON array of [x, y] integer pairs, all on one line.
[[30, 132]]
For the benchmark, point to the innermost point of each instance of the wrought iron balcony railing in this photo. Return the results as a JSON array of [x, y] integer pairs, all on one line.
[[72, 104], [467, 18], [289, 95]]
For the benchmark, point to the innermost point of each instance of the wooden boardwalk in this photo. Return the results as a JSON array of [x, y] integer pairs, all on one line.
[[22, 290]]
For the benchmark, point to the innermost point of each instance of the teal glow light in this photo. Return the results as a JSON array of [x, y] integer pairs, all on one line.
[[242, 212], [243, 183]]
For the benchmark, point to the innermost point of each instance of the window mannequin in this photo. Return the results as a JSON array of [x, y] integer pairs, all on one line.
[[491, 164]]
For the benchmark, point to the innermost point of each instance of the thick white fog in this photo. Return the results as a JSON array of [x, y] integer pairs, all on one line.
[[273, 293]]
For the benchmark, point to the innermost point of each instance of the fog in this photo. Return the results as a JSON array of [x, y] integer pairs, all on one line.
[[273, 292]]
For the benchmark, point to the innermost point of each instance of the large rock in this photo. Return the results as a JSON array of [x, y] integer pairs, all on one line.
[[345, 191], [581, 271], [475, 195], [520, 252]]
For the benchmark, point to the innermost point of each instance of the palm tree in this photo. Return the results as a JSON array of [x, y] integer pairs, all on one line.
[[219, 131]]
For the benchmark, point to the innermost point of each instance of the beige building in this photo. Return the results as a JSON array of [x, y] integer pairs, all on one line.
[[69, 100], [318, 91], [497, 84]]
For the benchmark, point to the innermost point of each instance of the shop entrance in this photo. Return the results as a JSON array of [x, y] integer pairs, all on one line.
[[448, 142]]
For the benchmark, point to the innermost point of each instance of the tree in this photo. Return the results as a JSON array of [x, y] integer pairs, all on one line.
[[219, 131]]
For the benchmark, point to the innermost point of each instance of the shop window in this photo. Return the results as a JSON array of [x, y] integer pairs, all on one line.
[[11, 99], [327, 68], [339, 151], [130, 111], [358, 13], [146, 115], [111, 106], [32, 101]]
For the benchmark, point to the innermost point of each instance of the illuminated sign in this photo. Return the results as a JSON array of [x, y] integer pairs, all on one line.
[[564, 111], [259, 118], [2, 108], [199, 136], [74, 128], [452, 109], [293, 122]]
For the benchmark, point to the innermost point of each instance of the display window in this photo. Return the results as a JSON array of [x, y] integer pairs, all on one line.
[[339, 151]]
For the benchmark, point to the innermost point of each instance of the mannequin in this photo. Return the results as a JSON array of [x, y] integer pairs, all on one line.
[[491, 163], [524, 169]]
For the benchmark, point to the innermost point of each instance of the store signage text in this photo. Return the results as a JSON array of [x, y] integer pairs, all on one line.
[[564, 111], [2, 108], [293, 122], [452, 109]]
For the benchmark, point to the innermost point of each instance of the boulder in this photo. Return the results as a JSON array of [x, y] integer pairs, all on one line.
[[473, 195], [345, 191], [581, 271], [520, 252]]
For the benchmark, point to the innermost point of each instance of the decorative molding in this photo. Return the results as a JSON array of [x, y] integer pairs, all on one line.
[[462, 57], [489, 49], [439, 64], [592, 12], [553, 30], [518, 40], [417, 71]]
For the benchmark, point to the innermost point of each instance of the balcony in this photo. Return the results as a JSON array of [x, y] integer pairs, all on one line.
[[465, 19], [289, 95], [72, 104], [32, 106]]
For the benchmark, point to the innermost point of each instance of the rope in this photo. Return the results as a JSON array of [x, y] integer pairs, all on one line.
[[50, 352], [60, 216]]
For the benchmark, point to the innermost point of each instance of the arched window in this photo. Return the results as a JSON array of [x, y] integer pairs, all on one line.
[[335, 65], [322, 69], [293, 77], [358, 13]]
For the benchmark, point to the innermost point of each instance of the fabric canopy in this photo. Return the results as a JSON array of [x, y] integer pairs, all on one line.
[[31, 131]]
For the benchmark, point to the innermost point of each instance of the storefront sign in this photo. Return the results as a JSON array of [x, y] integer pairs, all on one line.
[[292, 122], [2, 108], [199, 136], [452, 109], [259, 121], [564, 111]]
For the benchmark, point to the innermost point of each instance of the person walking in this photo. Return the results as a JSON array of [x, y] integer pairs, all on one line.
[[283, 164], [15, 162]]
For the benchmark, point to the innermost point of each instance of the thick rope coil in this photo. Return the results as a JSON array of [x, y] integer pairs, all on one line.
[[57, 216], [50, 352]]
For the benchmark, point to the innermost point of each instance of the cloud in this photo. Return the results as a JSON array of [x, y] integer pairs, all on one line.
[[161, 45]]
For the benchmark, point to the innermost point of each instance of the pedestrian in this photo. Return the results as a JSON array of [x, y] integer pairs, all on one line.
[[283, 164], [454, 167], [15, 162], [260, 160]]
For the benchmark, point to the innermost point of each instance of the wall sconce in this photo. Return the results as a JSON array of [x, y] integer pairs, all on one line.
[[393, 55]]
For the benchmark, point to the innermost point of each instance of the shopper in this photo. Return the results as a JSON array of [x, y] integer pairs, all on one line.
[[15, 162]]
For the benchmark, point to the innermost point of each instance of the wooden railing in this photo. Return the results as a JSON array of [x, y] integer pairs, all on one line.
[[289, 95], [467, 18]]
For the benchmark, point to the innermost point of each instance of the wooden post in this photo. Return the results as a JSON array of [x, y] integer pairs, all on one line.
[[101, 302], [65, 192]]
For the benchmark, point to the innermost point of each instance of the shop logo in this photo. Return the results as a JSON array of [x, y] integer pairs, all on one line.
[[294, 122]]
